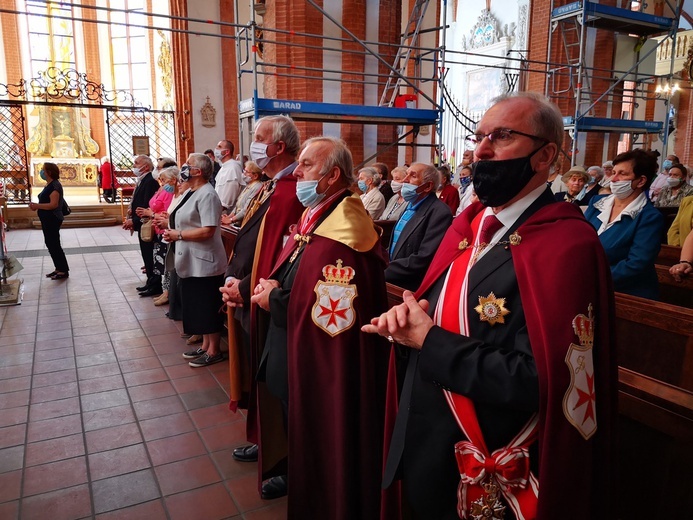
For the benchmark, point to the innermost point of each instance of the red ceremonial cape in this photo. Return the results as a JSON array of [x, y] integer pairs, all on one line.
[[284, 211], [337, 377], [561, 269]]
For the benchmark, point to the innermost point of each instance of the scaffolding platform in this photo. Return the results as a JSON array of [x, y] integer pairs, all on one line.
[[614, 18], [603, 124], [336, 112]]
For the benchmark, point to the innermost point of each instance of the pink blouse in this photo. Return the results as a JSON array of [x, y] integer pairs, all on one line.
[[159, 203]]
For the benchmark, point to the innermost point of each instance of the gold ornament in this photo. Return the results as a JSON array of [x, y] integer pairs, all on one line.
[[488, 507], [492, 309]]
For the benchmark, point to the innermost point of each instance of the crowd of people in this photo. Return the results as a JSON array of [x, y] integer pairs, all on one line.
[[456, 401]]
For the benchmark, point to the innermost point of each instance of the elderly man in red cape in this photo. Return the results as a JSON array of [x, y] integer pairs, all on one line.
[[508, 402], [330, 377], [262, 236]]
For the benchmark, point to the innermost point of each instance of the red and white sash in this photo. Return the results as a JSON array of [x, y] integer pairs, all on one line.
[[509, 467]]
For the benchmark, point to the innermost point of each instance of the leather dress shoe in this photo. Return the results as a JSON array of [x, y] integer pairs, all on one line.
[[246, 453], [275, 487], [151, 292], [142, 288]]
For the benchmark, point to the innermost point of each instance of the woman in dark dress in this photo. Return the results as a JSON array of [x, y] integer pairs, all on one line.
[[50, 213]]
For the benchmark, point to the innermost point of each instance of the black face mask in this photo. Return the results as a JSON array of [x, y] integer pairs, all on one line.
[[497, 182]]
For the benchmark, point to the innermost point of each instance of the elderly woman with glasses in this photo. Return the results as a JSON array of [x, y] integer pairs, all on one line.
[[252, 176], [200, 259]]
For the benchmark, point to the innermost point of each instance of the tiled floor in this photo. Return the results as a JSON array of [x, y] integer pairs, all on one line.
[[100, 417]]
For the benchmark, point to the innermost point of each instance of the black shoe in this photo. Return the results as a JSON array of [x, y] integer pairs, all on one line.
[[274, 487], [51, 274], [205, 360], [60, 276], [142, 288], [151, 292], [246, 453], [193, 354]]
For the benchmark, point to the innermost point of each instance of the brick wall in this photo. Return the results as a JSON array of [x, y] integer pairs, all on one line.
[[229, 73], [92, 68], [389, 23]]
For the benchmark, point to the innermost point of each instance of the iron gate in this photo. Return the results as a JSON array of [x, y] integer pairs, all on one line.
[[14, 172], [125, 123]]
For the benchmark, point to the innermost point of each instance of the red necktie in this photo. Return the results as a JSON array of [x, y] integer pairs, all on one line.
[[489, 227]]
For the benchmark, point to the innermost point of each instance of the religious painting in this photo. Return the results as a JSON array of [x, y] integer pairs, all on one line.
[[483, 85], [140, 145]]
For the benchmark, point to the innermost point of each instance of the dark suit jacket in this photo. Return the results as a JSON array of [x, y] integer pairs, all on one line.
[[503, 404], [418, 243], [143, 193]]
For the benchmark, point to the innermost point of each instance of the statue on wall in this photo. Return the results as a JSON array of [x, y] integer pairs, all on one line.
[[61, 133]]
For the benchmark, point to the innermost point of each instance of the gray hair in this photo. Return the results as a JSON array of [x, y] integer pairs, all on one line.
[[546, 120], [432, 175], [284, 130], [253, 167], [369, 172], [608, 164], [146, 160], [204, 163], [399, 169], [598, 169], [338, 156], [169, 174]]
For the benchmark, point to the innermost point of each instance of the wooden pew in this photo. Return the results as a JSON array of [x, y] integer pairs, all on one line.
[[668, 255], [654, 343], [673, 292], [228, 237]]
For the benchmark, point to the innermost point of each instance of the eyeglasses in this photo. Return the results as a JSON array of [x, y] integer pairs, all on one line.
[[500, 137]]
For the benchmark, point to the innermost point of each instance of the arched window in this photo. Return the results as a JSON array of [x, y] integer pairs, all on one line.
[[51, 36]]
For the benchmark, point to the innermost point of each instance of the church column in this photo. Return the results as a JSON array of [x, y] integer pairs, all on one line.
[[182, 84], [389, 24], [97, 120], [229, 73], [354, 20]]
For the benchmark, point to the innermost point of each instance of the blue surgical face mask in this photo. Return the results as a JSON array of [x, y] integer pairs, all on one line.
[[169, 188], [42, 174], [363, 186], [409, 192], [667, 164], [307, 193]]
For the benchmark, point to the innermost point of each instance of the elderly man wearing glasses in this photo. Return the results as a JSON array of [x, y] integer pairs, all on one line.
[[509, 400]]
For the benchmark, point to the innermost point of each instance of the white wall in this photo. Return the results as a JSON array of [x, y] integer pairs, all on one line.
[[205, 71]]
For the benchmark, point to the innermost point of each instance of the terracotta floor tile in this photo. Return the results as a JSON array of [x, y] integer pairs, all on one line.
[[52, 409], [54, 378], [10, 486], [57, 353], [118, 461], [104, 347], [166, 426], [145, 376], [214, 416], [158, 407], [153, 510], [204, 398], [52, 428], [275, 511], [182, 370], [179, 447], [53, 450], [11, 458], [12, 435], [172, 359], [14, 416], [64, 504], [54, 365], [126, 335], [135, 353], [210, 502], [55, 475], [9, 510], [124, 490], [140, 364], [198, 381], [102, 400], [103, 384], [230, 468], [52, 335], [151, 391], [14, 372], [50, 344], [245, 492], [92, 339], [15, 340], [176, 346], [14, 399], [16, 384], [186, 474], [108, 369], [96, 358], [108, 417], [113, 437], [224, 436], [128, 343], [54, 393]]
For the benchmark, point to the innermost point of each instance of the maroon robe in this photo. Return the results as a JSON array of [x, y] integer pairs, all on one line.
[[561, 269]]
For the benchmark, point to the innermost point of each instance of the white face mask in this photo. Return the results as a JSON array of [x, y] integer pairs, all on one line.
[[396, 186], [622, 189], [674, 182], [258, 153]]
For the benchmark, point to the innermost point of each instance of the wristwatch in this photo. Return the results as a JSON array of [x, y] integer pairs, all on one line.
[[180, 235]]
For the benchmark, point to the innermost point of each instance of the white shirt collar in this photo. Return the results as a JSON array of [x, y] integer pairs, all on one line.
[[286, 171], [508, 216], [606, 204]]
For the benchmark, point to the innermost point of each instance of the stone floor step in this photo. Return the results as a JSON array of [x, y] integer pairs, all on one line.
[[82, 222]]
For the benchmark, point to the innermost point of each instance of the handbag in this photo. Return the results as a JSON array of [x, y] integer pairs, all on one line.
[[66, 209], [147, 231]]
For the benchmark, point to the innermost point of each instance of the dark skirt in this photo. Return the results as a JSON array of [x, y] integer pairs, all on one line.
[[201, 304]]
